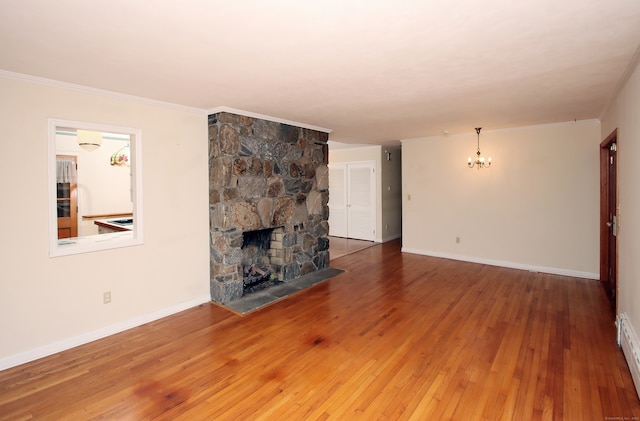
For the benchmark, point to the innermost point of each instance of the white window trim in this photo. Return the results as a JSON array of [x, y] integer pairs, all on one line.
[[94, 243]]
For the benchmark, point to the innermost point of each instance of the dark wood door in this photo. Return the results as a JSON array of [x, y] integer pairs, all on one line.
[[609, 217]]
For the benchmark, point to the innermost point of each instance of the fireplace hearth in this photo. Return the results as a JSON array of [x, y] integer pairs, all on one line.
[[268, 182]]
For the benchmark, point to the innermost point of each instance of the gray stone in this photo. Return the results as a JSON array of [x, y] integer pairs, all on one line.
[[294, 153], [225, 292], [252, 187], [302, 257], [319, 228], [292, 185], [251, 146], [275, 151], [233, 257], [306, 186], [312, 136], [322, 260], [289, 134], [235, 239], [289, 239], [323, 244], [307, 267], [291, 271], [317, 156], [308, 243], [266, 130]]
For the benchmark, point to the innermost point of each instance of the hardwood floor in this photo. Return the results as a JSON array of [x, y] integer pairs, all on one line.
[[397, 336], [339, 246]]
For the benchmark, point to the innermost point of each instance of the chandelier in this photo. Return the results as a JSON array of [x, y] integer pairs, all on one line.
[[479, 161]]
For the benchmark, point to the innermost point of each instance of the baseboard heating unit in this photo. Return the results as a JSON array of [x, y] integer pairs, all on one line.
[[628, 341]]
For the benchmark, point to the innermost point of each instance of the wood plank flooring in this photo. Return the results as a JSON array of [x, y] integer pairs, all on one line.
[[342, 246], [396, 337]]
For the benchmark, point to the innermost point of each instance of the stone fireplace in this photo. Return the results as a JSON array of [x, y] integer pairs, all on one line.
[[269, 180]]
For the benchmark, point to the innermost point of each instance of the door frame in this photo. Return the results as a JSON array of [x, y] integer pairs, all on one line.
[[607, 187]]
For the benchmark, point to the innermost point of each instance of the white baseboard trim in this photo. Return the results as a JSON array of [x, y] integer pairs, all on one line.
[[63, 345], [501, 263], [391, 237], [628, 341]]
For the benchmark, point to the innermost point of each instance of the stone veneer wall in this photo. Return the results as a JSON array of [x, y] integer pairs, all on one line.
[[264, 174]]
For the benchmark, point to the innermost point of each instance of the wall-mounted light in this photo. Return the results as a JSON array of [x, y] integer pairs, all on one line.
[[479, 160], [121, 157], [89, 140]]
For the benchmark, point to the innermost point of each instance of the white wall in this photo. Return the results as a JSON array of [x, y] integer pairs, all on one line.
[[47, 304], [624, 115], [535, 208]]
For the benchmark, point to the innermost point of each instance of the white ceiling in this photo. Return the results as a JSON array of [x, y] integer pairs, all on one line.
[[372, 71]]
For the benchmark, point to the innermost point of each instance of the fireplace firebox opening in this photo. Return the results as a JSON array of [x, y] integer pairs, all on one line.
[[262, 259]]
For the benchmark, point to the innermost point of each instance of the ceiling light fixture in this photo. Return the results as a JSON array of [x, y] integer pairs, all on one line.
[[479, 161], [88, 139]]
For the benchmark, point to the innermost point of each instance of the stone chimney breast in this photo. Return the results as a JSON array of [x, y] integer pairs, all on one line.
[[265, 175]]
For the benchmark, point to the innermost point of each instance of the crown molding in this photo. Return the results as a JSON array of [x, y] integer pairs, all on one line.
[[132, 98], [506, 129], [225, 109], [95, 91]]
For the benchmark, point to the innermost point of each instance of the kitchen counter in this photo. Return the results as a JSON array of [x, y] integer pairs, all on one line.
[[114, 225]]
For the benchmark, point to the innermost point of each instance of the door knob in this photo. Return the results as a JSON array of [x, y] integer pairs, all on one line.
[[609, 224]]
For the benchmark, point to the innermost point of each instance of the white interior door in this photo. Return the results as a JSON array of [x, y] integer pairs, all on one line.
[[352, 200], [361, 201], [338, 200]]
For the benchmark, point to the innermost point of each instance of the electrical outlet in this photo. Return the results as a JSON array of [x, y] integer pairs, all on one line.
[[106, 297]]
